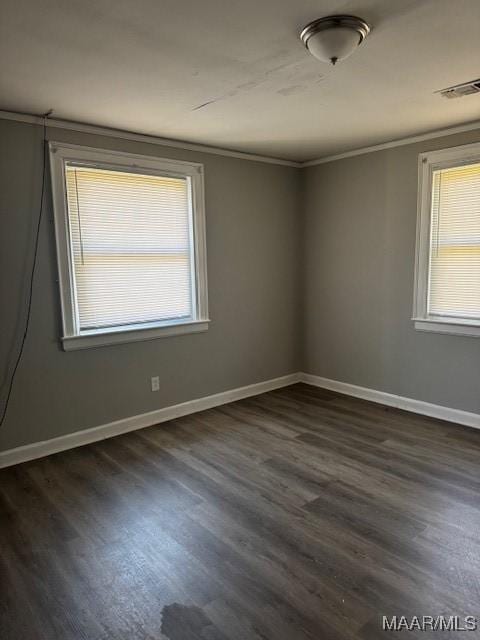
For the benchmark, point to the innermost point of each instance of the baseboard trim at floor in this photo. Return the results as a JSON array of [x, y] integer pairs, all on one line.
[[465, 418], [79, 438], [70, 441]]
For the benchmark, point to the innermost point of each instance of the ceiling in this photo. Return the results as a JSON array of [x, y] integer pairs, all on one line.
[[235, 74]]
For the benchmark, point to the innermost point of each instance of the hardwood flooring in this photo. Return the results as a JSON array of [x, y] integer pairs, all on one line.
[[297, 514]]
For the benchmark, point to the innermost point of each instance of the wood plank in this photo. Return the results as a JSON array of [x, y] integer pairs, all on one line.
[[295, 515]]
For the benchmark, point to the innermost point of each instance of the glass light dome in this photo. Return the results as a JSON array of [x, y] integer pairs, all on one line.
[[334, 38]]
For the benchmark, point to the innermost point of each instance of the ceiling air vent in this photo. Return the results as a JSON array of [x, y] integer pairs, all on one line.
[[460, 90]]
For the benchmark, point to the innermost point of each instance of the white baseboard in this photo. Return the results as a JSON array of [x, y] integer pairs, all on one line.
[[71, 440], [409, 404], [79, 438]]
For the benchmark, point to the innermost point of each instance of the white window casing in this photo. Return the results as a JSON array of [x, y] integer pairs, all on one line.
[[447, 270], [131, 247]]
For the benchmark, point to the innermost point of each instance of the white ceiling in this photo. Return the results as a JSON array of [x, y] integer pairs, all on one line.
[[233, 73]]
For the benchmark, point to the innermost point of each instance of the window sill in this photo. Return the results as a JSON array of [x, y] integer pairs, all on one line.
[[103, 338], [453, 327]]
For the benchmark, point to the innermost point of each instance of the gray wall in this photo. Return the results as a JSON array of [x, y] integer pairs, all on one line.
[[359, 245], [253, 244], [308, 270]]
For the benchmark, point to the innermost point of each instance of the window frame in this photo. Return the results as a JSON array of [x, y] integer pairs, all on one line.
[[72, 338], [428, 163]]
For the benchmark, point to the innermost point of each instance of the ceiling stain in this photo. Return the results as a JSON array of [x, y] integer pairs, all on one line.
[[294, 88], [205, 104], [288, 72]]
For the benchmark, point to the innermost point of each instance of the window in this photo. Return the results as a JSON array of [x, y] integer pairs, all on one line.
[[447, 294], [131, 246]]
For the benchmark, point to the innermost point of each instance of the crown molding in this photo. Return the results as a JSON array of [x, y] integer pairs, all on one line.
[[59, 123], [121, 134], [438, 133]]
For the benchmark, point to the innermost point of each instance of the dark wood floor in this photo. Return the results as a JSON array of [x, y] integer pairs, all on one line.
[[297, 514]]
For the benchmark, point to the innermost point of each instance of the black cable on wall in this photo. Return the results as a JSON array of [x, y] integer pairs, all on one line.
[[21, 347]]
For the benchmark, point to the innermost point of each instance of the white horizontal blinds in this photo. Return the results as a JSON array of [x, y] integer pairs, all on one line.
[[454, 279], [130, 237]]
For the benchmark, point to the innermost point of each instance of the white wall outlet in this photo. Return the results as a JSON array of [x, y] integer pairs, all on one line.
[[155, 382]]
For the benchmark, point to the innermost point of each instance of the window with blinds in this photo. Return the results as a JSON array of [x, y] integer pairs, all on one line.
[[131, 248], [454, 273], [130, 240], [447, 286]]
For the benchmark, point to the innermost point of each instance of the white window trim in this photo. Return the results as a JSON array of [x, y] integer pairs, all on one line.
[[60, 153], [427, 164]]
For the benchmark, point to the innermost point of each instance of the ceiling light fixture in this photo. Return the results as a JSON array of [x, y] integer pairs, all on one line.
[[334, 38]]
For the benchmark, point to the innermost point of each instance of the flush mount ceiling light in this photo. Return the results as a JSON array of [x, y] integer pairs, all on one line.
[[334, 38]]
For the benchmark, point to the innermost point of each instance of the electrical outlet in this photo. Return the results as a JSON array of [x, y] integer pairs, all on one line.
[[155, 382]]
